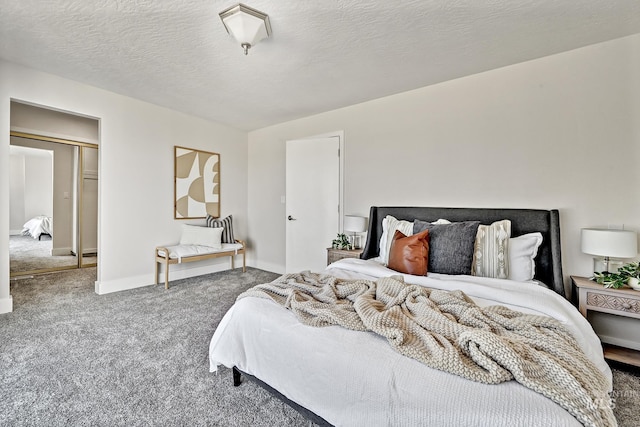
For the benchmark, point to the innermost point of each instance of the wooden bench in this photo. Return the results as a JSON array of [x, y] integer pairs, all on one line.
[[168, 255]]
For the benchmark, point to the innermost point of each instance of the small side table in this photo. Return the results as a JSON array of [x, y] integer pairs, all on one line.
[[618, 302], [334, 255]]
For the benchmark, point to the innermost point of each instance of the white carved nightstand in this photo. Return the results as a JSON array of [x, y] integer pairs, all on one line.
[[618, 302]]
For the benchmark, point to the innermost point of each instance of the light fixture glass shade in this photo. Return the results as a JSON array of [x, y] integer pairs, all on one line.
[[246, 24], [609, 243]]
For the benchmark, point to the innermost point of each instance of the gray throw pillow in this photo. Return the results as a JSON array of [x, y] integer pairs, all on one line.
[[451, 246]]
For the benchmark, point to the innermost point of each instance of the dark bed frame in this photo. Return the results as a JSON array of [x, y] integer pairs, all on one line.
[[523, 221], [548, 261]]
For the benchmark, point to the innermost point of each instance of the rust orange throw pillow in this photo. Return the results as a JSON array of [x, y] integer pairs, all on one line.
[[409, 254]]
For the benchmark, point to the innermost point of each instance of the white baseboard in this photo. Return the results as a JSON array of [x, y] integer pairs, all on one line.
[[620, 342], [176, 272], [109, 286], [6, 304], [90, 251], [60, 251], [15, 232], [267, 266]]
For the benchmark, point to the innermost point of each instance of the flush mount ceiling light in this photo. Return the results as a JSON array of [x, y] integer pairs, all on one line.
[[247, 25]]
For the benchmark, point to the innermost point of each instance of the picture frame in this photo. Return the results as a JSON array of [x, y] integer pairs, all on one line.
[[196, 184]]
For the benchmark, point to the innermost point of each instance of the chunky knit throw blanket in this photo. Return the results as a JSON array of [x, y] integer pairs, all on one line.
[[448, 331]]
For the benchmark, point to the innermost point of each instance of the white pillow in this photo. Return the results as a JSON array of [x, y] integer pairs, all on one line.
[[522, 251], [203, 236], [441, 221], [389, 226]]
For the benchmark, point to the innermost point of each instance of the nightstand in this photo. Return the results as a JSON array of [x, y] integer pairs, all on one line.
[[593, 297], [334, 255]]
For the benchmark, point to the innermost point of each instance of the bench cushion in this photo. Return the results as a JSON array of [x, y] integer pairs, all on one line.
[[183, 251]]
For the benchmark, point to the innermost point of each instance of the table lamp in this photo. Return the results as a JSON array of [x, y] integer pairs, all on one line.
[[355, 224], [606, 244]]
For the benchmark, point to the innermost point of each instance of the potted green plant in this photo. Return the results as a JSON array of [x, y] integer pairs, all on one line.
[[341, 242], [632, 272], [628, 274]]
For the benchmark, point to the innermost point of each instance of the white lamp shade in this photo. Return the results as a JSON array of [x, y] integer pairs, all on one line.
[[247, 25], [355, 224], [609, 243]]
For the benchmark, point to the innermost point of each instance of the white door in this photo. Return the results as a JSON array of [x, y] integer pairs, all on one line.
[[312, 200]]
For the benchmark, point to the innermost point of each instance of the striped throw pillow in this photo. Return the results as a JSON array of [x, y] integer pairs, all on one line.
[[491, 252], [226, 223]]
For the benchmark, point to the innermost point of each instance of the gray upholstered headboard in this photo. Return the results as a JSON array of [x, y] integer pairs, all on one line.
[[548, 261]]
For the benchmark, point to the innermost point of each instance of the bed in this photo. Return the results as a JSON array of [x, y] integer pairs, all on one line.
[[38, 226], [337, 376]]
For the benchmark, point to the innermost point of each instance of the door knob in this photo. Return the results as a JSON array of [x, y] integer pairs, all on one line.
[[290, 218]]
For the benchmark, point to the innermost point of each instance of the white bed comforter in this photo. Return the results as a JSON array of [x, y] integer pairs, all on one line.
[[37, 226], [359, 380]]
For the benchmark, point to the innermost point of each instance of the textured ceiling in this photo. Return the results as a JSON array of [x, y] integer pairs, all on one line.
[[323, 55]]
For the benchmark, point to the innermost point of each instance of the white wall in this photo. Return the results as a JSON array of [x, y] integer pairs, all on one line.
[[135, 172], [31, 188], [56, 124], [16, 193], [38, 191], [558, 132]]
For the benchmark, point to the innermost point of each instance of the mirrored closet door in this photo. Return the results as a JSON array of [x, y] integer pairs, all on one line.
[[86, 210], [53, 204]]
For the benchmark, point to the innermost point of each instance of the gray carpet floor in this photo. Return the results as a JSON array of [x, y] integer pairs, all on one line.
[[140, 357], [134, 358], [29, 254]]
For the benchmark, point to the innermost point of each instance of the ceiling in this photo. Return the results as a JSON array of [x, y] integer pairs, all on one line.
[[322, 55]]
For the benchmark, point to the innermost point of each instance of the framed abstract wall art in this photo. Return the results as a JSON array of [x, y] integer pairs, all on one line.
[[196, 183]]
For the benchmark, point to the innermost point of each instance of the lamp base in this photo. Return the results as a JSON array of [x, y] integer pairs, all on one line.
[[606, 264], [355, 241]]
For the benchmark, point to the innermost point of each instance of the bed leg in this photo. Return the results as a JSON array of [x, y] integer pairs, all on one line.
[[237, 377], [244, 262], [233, 262]]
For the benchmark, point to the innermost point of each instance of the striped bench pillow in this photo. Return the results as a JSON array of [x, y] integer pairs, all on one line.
[[226, 223]]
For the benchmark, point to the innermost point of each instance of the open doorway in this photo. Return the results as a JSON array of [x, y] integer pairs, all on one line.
[[53, 191]]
